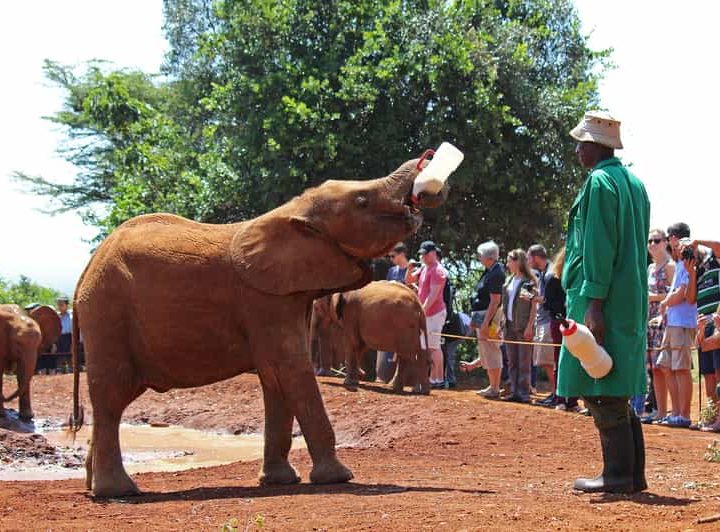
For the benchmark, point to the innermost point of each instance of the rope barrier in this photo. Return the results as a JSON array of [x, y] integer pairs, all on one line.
[[544, 344]]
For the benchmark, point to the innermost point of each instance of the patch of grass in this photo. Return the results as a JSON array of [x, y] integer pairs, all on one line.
[[708, 413], [712, 453], [255, 522]]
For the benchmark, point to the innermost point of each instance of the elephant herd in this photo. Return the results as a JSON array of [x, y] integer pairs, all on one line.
[[166, 302]]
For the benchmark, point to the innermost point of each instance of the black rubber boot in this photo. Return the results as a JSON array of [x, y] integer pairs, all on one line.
[[639, 482], [618, 451]]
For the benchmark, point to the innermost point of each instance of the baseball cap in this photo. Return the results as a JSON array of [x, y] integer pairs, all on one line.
[[427, 247]]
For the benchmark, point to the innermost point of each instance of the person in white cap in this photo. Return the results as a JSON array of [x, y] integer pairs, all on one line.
[[605, 278]]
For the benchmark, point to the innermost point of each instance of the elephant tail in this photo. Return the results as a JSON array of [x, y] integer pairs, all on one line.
[[77, 418], [423, 328]]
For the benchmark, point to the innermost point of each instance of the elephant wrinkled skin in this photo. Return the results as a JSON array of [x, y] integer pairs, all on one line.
[[22, 337], [170, 303], [384, 316]]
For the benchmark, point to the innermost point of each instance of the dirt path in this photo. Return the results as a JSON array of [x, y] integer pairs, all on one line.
[[449, 461]]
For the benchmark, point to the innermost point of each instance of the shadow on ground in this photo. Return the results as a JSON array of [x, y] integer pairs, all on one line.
[[240, 492]]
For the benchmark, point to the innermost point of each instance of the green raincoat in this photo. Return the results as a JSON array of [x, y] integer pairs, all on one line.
[[606, 258]]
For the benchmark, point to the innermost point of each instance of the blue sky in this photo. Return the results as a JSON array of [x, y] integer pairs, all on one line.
[[664, 90]]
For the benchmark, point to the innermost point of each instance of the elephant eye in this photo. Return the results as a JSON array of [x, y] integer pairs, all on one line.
[[361, 201]]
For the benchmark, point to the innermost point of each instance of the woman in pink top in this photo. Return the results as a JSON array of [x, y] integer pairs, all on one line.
[[431, 280]]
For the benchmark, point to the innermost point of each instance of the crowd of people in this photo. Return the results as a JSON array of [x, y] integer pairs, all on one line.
[[518, 306]]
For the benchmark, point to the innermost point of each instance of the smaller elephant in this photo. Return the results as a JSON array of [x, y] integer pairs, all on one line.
[[325, 337], [385, 316], [22, 337]]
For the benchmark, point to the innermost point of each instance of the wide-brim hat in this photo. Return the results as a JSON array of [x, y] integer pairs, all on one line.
[[598, 127]]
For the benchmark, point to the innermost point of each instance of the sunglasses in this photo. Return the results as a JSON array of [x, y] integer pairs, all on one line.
[[392, 255], [655, 240]]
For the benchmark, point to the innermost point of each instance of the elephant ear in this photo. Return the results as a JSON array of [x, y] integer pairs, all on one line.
[[286, 255], [49, 323]]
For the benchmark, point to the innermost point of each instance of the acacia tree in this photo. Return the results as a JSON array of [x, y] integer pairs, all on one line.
[[263, 98]]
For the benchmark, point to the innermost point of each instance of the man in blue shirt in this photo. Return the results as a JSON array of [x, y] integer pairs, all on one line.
[[65, 340], [398, 256], [675, 360], [385, 368]]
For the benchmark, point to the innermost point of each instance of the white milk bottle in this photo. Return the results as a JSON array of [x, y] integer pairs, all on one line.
[[582, 345], [432, 178]]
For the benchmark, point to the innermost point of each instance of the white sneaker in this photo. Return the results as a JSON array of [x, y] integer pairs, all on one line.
[[489, 393], [562, 407]]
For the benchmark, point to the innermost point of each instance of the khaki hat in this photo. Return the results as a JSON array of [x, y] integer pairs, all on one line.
[[598, 127]]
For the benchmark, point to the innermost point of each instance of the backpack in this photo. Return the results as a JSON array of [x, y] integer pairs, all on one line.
[[453, 322], [449, 296]]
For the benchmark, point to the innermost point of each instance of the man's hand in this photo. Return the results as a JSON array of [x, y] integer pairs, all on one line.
[[716, 321], [467, 367], [595, 320], [656, 321], [701, 323], [529, 334], [690, 264]]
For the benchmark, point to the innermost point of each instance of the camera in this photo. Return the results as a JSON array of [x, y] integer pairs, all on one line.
[[688, 253]]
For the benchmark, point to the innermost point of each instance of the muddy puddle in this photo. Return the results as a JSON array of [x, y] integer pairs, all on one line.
[[145, 449]]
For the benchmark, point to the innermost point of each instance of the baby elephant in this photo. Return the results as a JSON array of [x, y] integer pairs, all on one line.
[[385, 316], [22, 337]]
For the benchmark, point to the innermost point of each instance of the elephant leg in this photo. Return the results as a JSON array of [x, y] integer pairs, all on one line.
[[353, 373], [398, 381], [25, 411], [110, 393], [299, 389], [278, 439]]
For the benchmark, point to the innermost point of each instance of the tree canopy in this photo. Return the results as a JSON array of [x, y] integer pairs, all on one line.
[[24, 292], [260, 99]]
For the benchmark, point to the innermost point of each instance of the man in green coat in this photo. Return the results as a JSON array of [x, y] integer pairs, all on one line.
[[605, 278]]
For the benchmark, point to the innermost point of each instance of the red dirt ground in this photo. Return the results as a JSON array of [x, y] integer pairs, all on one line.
[[451, 461]]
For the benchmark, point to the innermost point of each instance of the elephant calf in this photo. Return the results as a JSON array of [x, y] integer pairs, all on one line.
[[250, 288], [385, 316], [22, 337]]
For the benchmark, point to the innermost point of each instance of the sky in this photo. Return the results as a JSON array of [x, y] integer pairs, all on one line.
[[663, 88]]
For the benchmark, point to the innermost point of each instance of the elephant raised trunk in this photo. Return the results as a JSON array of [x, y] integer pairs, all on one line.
[[400, 184]]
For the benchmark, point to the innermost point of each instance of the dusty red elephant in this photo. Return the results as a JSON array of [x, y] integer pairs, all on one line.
[[22, 336], [383, 316], [325, 338], [170, 303]]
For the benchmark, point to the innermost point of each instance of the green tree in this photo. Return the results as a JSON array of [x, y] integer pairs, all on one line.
[[25, 291], [263, 98]]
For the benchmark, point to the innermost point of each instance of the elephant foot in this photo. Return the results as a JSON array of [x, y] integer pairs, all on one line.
[[421, 389], [330, 472], [351, 385], [396, 386], [115, 486], [282, 473]]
